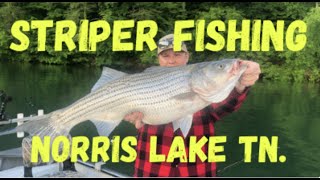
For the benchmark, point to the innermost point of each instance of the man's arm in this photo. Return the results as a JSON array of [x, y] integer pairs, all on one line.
[[230, 104]]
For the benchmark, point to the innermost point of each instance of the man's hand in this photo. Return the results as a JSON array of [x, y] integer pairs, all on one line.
[[250, 76], [135, 118]]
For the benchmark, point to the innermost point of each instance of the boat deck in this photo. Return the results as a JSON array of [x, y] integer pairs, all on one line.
[[11, 165]]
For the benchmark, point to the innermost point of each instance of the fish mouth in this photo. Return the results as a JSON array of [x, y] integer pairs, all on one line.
[[237, 68]]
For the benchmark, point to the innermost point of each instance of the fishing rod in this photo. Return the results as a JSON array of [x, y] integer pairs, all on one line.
[[30, 104], [219, 172]]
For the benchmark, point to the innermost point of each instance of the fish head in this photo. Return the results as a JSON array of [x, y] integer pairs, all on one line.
[[215, 80]]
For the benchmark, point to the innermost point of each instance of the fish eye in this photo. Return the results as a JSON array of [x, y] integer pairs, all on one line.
[[220, 66]]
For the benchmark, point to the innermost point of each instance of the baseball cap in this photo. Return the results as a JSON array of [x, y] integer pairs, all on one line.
[[166, 42]]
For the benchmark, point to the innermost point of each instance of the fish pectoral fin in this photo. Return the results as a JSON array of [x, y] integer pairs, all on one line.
[[185, 96], [105, 127], [220, 96], [184, 124], [107, 76]]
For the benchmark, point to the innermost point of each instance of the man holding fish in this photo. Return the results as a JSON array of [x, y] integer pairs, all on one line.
[[174, 101], [202, 122]]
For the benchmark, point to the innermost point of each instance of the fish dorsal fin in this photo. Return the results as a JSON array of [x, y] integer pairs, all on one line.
[[105, 127], [184, 124], [107, 76]]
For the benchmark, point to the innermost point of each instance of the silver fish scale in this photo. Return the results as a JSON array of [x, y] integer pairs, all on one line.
[[150, 93]]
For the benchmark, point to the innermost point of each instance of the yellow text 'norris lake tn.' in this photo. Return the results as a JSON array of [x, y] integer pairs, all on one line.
[[61, 148]]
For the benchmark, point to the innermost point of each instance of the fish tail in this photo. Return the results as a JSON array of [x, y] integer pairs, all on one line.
[[42, 127], [31, 126], [35, 126]]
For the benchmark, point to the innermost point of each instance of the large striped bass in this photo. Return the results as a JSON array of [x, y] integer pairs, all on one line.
[[162, 94]]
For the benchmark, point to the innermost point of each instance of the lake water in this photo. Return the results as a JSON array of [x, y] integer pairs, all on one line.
[[289, 111]]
